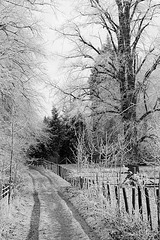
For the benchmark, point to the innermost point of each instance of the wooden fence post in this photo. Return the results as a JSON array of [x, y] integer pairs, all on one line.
[[108, 193], [81, 179], [140, 201], [117, 197], [148, 207], [59, 170], [125, 200], [158, 204], [133, 199], [97, 178], [1, 190], [103, 190]]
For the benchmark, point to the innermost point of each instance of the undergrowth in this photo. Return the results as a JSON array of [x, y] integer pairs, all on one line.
[[131, 229], [109, 224]]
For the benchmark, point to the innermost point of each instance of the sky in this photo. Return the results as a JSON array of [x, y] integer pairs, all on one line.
[[52, 20], [49, 21]]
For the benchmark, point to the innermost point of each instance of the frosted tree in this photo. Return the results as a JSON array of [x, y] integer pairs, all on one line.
[[20, 71], [127, 24]]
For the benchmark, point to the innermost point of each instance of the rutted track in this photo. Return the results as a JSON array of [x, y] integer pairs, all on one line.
[[35, 217], [64, 221]]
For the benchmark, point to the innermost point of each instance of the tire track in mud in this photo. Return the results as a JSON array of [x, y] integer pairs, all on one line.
[[35, 217], [86, 228]]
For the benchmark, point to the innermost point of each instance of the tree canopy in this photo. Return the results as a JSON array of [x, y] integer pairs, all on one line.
[[133, 64], [20, 68]]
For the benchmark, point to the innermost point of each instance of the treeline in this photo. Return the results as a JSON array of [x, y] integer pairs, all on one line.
[[21, 57], [61, 144]]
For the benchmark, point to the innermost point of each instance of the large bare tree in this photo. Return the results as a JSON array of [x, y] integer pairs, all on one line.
[[130, 26]]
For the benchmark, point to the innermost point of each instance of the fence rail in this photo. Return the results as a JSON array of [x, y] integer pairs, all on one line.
[[5, 190], [139, 200]]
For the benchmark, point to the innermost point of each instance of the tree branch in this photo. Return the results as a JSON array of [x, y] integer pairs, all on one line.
[[147, 113], [151, 70]]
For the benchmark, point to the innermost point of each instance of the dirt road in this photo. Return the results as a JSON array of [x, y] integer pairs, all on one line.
[[51, 218]]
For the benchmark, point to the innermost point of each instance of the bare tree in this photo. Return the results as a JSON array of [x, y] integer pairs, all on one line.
[[127, 24], [21, 70]]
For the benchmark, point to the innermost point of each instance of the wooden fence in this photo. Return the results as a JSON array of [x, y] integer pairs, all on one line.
[[138, 200], [59, 170], [5, 191]]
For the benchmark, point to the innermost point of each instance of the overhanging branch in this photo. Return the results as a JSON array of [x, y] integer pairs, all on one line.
[[148, 113]]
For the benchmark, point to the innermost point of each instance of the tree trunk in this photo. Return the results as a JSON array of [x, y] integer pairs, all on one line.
[[126, 78], [11, 160]]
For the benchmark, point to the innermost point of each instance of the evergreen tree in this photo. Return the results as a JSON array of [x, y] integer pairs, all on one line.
[[55, 129], [63, 134]]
